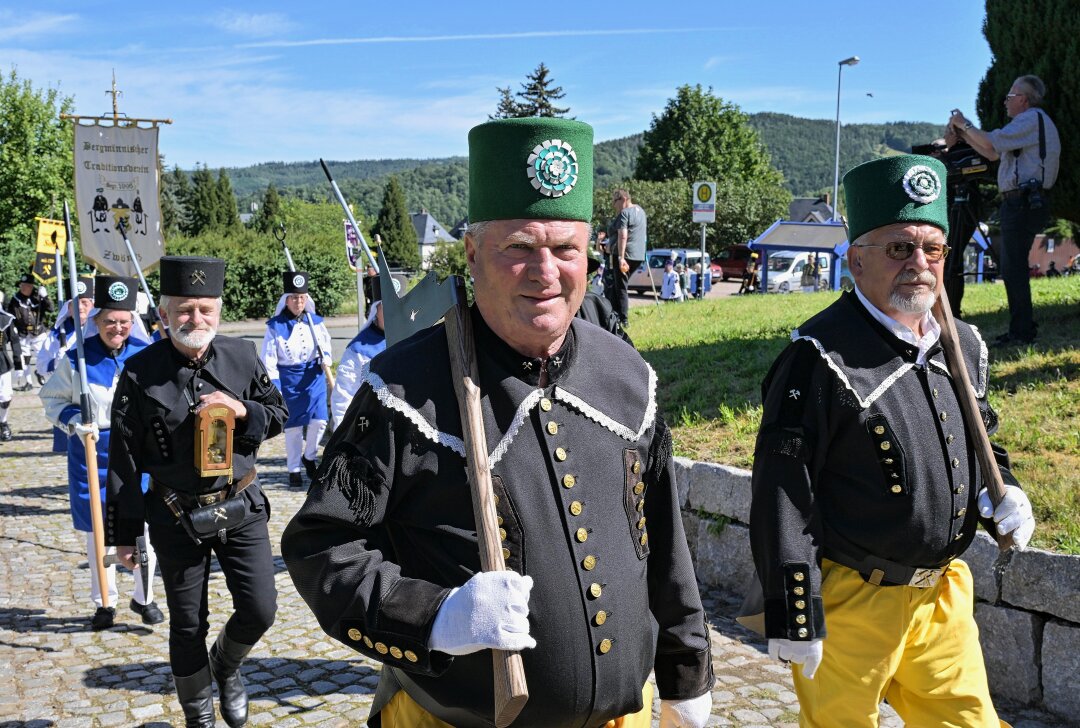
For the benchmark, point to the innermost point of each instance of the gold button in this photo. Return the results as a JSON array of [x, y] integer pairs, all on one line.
[[804, 632], [956, 462], [552, 428], [959, 489], [582, 535], [949, 439], [411, 656], [568, 481], [506, 554], [381, 648], [354, 635], [799, 591], [636, 467], [605, 646], [934, 391], [800, 604], [961, 512], [576, 508], [369, 643], [641, 523], [639, 488], [560, 453], [798, 576], [545, 404], [496, 497], [600, 617], [396, 653], [589, 562], [879, 430], [885, 445], [499, 520], [800, 619], [644, 539], [595, 590], [943, 415], [641, 505], [502, 534], [897, 488]]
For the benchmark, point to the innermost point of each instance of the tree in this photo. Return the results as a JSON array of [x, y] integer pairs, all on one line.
[[228, 214], [36, 172], [394, 225], [270, 212], [1009, 29], [508, 108], [204, 210], [537, 95]]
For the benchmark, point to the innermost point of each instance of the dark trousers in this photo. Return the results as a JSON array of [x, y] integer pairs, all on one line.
[[246, 562], [963, 219], [618, 293], [1019, 226]]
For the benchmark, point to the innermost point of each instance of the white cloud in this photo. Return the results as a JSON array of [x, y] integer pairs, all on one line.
[[24, 27], [254, 25], [562, 33]]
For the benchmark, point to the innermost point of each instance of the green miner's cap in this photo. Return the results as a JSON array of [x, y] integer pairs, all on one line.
[[535, 169], [905, 188]]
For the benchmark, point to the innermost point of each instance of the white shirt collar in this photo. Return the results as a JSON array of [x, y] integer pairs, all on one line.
[[923, 343]]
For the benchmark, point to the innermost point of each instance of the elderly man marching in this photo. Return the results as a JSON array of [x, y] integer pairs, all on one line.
[[106, 353], [294, 350], [599, 589], [866, 488]]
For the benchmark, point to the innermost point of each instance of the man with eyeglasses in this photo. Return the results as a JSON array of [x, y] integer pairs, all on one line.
[[106, 353], [1029, 149], [865, 485]]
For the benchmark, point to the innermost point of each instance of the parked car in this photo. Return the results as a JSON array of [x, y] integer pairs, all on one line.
[[654, 265], [731, 262], [785, 271]]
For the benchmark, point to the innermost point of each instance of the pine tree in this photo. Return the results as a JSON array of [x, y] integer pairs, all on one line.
[[508, 108], [204, 208], [394, 225], [270, 214], [537, 95], [228, 214]]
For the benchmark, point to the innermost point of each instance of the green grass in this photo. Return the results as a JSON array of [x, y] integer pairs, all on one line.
[[711, 356]]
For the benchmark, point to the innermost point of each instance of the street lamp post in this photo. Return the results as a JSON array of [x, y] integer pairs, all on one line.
[[836, 173]]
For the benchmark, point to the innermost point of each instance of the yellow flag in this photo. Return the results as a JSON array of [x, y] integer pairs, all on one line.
[[50, 236]]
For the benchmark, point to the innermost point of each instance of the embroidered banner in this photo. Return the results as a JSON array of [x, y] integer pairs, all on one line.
[[116, 179], [51, 237]]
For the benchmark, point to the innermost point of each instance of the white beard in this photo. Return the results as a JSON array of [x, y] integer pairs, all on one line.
[[193, 339], [915, 303]]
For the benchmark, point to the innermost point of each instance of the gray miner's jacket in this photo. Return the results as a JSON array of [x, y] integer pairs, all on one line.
[[586, 497]]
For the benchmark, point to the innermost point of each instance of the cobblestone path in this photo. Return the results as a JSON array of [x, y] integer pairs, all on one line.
[[57, 672]]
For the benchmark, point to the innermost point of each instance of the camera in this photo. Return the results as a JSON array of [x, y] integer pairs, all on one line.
[[1032, 190]]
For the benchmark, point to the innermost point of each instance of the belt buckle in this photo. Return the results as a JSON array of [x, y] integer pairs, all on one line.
[[206, 499], [926, 578]]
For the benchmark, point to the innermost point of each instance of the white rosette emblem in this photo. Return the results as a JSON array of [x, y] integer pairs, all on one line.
[[552, 168], [922, 184], [298, 281], [118, 291]]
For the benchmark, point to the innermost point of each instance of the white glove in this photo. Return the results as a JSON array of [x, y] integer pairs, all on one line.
[[1012, 515], [83, 430], [691, 713], [807, 654], [43, 292], [489, 611]]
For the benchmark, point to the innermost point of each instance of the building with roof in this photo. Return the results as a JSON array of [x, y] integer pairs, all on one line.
[[429, 233]]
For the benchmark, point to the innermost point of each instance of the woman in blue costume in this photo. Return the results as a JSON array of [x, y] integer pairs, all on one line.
[[368, 342]]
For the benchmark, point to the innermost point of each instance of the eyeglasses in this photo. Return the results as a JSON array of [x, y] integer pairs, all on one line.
[[904, 249], [111, 323], [1012, 96]]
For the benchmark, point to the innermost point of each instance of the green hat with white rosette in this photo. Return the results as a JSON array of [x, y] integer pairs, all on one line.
[[535, 169], [908, 188]]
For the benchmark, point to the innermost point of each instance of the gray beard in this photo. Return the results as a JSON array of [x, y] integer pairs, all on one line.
[[193, 339], [915, 303]]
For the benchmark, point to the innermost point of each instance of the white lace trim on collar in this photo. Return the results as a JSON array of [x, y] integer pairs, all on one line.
[[396, 403], [519, 419], [842, 376], [604, 421]]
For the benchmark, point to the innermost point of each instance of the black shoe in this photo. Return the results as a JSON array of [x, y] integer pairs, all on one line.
[[5, 432], [149, 612], [40, 379], [296, 480], [310, 466], [225, 658], [103, 618], [1008, 339], [196, 695]]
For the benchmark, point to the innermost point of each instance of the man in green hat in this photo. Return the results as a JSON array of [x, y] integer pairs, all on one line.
[[866, 486], [385, 552]]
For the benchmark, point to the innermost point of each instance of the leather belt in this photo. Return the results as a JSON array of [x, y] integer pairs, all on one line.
[[882, 572], [1011, 193], [194, 500]]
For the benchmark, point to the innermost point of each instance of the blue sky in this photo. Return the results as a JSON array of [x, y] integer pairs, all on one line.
[[247, 83]]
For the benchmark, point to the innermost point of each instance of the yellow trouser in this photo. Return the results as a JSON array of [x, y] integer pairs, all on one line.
[[918, 648], [403, 712]]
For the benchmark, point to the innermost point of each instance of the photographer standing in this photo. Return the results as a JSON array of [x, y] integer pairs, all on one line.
[[1028, 147]]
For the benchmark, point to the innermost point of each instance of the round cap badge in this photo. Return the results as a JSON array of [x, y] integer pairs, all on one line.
[[118, 291], [922, 184], [80, 287], [298, 281], [552, 168]]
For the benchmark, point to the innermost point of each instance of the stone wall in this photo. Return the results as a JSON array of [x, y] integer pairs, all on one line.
[[1027, 608]]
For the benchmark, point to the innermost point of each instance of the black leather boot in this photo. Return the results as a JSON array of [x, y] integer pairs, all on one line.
[[225, 658], [196, 696]]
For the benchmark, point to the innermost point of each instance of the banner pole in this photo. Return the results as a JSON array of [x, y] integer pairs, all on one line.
[[121, 228]]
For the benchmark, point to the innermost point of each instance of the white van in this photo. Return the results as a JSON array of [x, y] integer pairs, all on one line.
[[785, 271], [653, 266]]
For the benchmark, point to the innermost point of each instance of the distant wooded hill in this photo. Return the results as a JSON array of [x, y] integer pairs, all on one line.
[[802, 149]]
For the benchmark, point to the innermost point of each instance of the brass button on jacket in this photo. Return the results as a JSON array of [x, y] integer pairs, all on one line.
[[560, 453]]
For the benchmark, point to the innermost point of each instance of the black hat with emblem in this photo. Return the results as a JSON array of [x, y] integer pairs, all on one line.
[[116, 293], [192, 276], [84, 286], [26, 278], [295, 281]]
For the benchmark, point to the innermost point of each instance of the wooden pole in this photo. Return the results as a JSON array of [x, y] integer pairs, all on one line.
[[511, 691]]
